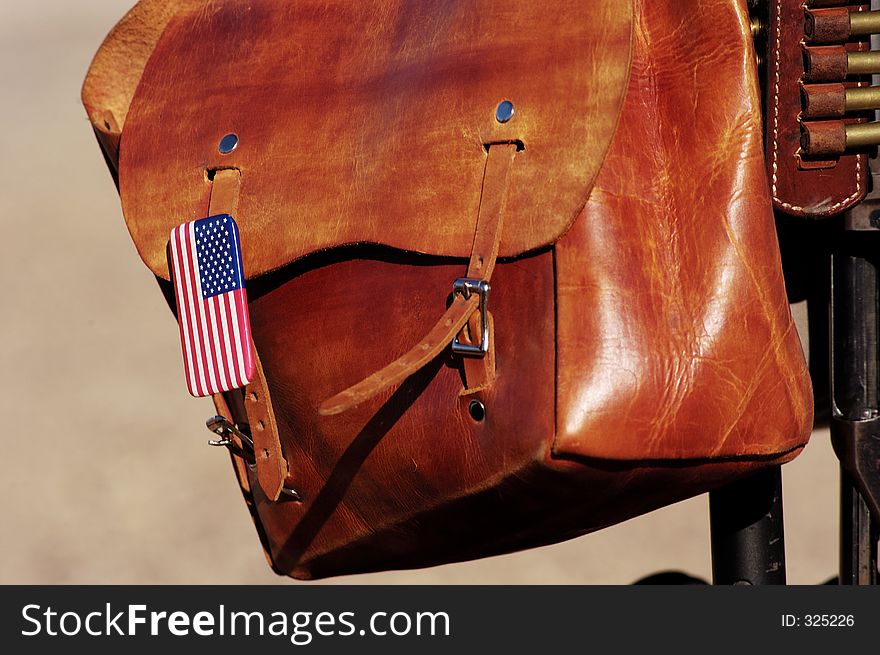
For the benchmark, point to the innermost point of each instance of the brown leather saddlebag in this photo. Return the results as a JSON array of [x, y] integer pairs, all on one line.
[[598, 163]]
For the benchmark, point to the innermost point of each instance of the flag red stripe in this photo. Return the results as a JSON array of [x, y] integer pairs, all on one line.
[[209, 335], [200, 328], [181, 315], [208, 306], [244, 328], [236, 335], [198, 355], [223, 336], [240, 310], [231, 341], [183, 272]]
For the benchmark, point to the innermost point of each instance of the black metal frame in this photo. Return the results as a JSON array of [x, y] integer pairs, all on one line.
[[855, 389], [748, 540]]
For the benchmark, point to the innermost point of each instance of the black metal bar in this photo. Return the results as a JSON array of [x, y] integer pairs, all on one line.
[[855, 390], [858, 537], [855, 329], [748, 539]]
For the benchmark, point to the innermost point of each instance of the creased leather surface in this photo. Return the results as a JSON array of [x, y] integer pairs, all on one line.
[[375, 116], [675, 338]]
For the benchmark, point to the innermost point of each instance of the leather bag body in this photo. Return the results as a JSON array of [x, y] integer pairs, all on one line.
[[642, 348]]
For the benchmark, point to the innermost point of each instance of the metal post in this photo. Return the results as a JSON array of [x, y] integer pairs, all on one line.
[[856, 390], [858, 537], [748, 540]]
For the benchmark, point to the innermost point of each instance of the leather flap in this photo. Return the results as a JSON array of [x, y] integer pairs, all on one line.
[[117, 67], [366, 122]]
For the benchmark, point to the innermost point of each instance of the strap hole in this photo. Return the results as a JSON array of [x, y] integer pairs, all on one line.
[[520, 145], [261, 425], [265, 454], [211, 173], [253, 397], [477, 410]]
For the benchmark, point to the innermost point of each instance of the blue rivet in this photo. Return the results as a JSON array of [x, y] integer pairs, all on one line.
[[504, 111], [227, 144]]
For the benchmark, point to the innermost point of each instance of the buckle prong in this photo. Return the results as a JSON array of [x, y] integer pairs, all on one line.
[[226, 429], [223, 428], [465, 287]]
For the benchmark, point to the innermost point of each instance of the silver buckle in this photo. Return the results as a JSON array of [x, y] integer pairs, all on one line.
[[465, 287], [223, 428]]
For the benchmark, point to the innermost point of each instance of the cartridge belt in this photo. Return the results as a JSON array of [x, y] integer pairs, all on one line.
[[819, 99]]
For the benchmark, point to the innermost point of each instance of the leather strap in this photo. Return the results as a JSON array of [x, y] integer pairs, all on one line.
[[272, 468], [224, 192], [397, 371], [487, 236], [479, 372]]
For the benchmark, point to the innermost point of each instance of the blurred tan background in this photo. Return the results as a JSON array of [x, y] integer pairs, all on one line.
[[107, 475]]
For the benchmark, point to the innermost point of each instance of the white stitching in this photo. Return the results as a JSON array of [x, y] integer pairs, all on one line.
[[776, 99], [775, 159]]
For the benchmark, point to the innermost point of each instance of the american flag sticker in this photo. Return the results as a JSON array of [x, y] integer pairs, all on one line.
[[212, 309]]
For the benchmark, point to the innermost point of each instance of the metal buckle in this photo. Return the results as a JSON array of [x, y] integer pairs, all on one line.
[[857, 445], [223, 428], [465, 287]]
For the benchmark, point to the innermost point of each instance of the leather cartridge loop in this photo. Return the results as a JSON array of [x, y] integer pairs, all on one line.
[[484, 253], [271, 466]]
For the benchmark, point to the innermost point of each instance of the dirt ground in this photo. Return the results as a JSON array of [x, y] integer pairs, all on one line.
[[108, 478]]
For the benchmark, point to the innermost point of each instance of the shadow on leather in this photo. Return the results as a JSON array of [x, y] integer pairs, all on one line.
[[340, 478]]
